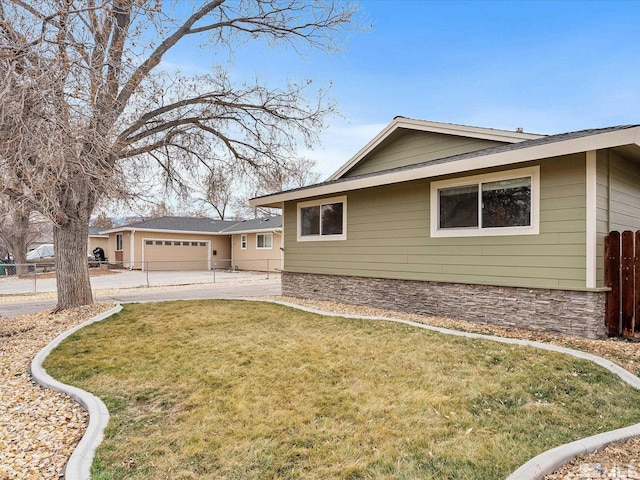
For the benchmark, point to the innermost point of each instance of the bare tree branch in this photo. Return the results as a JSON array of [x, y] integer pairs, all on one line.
[[86, 110]]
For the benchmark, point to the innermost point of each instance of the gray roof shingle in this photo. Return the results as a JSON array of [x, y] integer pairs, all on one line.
[[267, 223], [186, 224], [203, 225]]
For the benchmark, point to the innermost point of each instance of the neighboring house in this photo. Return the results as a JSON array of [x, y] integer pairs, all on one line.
[[474, 223], [97, 239], [257, 244], [182, 243]]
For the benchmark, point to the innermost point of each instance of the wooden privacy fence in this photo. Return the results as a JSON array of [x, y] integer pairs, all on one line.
[[622, 275]]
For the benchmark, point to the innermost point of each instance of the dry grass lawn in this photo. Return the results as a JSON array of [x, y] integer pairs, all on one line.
[[247, 390]]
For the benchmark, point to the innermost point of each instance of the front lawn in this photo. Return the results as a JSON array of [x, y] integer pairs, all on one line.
[[247, 390]]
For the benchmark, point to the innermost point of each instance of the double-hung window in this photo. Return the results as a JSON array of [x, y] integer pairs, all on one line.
[[504, 203], [118, 242], [324, 219], [243, 241]]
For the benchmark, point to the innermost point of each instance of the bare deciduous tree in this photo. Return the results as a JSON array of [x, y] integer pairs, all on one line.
[[19, 229], [102, 221], [222, 187], [86, 111]]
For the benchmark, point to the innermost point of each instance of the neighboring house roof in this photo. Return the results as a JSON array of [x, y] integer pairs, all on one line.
[[177, 224], [267, 224], [97, 232], [199, 225], [626, 136], [403, 123]]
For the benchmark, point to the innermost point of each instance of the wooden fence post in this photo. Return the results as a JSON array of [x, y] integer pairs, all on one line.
[[636, 263], [612, 280], [627, 291]]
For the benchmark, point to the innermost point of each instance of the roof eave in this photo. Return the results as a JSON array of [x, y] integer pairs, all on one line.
[[576, 145]]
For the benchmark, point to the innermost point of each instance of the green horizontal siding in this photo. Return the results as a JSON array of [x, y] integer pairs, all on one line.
[[410, 147], [388, 236], [625, 194]]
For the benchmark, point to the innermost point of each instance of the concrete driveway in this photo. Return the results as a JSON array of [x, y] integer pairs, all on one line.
[[14, 285], [127, 287]]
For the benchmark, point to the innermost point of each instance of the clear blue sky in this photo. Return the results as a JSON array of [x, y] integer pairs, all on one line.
[[546, 66]]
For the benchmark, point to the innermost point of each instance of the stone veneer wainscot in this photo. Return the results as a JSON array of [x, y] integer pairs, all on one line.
[[566, 312]]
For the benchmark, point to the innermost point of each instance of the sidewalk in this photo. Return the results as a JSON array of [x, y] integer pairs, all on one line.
[[128, 287]]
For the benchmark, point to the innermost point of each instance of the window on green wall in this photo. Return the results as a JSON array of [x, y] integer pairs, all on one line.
[[324, 219], [502, 203]]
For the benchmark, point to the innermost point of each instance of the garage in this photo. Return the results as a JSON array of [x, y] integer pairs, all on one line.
[[176, 254]]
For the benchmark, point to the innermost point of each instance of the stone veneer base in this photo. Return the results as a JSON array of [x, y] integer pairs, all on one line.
[[565, 312]]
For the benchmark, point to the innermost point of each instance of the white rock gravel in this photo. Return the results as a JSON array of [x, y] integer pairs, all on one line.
[[39, 428]]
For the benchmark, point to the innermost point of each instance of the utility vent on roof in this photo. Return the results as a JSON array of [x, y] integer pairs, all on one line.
[[520, 130]]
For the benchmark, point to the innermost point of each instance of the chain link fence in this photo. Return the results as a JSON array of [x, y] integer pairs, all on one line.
[[33, 278]]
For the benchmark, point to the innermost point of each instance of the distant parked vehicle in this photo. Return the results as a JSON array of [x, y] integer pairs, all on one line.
[[43, 258], [41, 253]]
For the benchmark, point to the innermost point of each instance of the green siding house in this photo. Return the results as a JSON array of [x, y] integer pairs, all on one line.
[[486, 225]]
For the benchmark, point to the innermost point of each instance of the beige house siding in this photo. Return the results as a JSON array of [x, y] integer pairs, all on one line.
[[388, 237], [257, 259], [173, 257], [94, 242], [413, 147]]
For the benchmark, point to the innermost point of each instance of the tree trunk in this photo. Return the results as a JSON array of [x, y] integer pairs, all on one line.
[[17, 240], [72, 267]]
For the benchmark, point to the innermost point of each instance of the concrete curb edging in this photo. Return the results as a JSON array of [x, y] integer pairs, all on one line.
[[549, 461], [79, 465]]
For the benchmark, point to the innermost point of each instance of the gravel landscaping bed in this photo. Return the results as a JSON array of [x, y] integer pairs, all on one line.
[[40, 428]]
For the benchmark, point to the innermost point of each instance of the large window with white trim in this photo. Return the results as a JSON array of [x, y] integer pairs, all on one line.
[[503, 203], [118, 242], [324, 219]]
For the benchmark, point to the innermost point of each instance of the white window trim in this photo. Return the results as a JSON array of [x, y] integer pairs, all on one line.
[[244, 241], [323, 238], [121, 236], [265, 235], [533, 229]]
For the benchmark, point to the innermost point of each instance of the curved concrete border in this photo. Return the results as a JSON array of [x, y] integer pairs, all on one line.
[[79, 465], [549, 461]]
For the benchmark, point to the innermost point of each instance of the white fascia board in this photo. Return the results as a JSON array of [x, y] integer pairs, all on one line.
[[116, 230], [554, 149], [468, 131], [435, 127]]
